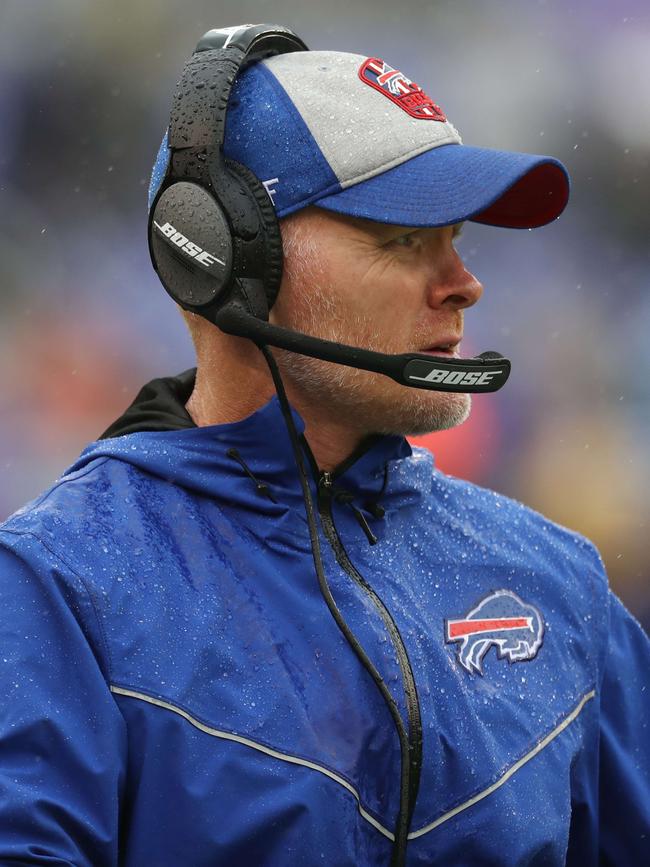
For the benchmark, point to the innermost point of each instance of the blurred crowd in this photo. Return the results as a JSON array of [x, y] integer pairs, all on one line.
[[85, 90]]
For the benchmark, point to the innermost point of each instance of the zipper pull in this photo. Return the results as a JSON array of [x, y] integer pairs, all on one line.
[[324, 488]]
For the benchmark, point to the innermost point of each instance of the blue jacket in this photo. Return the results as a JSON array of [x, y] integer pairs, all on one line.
[[176, 692]]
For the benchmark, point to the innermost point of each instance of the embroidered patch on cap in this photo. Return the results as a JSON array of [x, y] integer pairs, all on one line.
[[501, 619], [400, 89]]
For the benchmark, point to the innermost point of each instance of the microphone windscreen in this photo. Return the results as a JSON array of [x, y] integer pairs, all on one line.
[[490, 355]]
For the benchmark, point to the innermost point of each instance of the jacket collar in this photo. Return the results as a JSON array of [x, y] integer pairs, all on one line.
[[157, 435]]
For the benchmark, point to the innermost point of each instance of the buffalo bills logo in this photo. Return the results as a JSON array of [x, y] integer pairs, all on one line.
[[503, 620], [400, 89]]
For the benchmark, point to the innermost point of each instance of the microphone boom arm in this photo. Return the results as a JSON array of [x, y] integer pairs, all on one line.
[[484, 373]]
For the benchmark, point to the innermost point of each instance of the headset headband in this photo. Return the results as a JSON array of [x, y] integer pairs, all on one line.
[[198, 115], [212, 227]]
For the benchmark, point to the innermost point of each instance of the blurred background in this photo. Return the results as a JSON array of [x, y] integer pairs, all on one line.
[[85, 90]]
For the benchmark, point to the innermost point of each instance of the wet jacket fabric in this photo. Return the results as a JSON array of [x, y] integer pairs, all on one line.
[[175, 691]]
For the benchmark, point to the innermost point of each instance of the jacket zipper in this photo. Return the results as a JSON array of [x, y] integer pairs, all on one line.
[[408, 680]]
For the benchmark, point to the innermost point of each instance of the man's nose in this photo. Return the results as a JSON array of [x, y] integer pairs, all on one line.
[[452, 285]]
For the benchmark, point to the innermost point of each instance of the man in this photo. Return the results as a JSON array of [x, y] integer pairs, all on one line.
[[188, 681]]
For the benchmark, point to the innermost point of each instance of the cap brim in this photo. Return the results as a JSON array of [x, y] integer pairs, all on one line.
[[453, 183]]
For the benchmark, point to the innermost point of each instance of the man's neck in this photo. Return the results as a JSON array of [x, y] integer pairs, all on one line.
[[226, 393]]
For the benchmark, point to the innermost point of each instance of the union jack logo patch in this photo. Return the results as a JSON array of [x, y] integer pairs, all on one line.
[[400, 89]]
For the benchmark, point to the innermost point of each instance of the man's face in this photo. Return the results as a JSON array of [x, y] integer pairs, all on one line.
[[380, 287]]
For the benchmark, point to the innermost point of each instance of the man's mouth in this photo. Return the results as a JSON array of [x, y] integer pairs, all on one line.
[[444, 348]]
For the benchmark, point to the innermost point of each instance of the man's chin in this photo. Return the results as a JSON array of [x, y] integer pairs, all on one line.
[[421, 413], [370, 401]]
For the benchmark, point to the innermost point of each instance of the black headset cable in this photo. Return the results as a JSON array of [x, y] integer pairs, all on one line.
[[398, 855]]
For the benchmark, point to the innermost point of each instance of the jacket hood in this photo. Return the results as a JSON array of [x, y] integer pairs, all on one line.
[[158, 406], [250, 462]]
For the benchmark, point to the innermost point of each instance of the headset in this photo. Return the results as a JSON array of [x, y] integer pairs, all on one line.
[[214, 238]]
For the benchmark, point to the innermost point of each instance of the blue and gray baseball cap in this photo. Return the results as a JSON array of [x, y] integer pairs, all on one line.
[[353, 135]]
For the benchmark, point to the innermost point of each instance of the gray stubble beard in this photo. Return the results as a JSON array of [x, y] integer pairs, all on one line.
[[353, 393]]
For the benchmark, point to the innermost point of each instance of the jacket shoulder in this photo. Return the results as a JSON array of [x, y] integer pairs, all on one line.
[[509, 518], [507, 531], [84, 518], [64, 505]]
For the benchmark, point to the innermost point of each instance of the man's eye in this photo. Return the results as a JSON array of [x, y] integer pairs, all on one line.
[[405, 240]]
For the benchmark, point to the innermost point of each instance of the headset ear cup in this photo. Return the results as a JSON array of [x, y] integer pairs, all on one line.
[[269, 225], [191, 246]]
